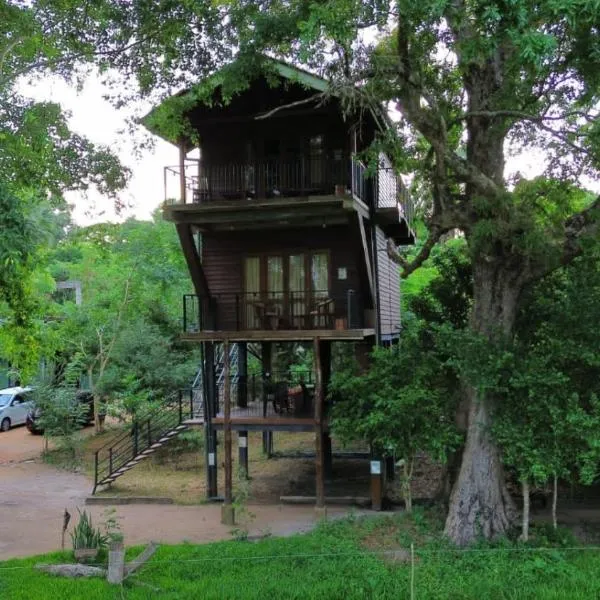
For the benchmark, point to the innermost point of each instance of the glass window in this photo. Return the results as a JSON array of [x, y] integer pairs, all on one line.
[[252, 275], [297, 289], [320, 274], [275, 277]]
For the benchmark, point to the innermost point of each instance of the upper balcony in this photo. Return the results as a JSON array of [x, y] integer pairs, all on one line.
[[310, 190]]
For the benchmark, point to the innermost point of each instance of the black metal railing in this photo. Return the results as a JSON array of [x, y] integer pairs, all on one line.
[[305, 176], [272, 311], [384, 186], [144, 432]]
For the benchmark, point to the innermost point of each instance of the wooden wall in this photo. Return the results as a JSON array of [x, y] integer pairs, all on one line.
[[223, 254], [389, 289]]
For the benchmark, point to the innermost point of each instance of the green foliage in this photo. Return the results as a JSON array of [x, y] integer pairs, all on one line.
[[61, 416], [350, 558], [85, 535], [402, 405]]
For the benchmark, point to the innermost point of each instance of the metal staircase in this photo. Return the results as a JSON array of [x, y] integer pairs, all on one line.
[[143, 438], [198, 383]]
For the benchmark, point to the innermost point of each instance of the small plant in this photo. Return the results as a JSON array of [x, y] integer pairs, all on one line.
[[243, 516], [85, 537], [112, 526]]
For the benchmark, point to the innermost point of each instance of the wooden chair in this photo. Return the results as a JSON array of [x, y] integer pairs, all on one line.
[[267, 315], [322, 314]]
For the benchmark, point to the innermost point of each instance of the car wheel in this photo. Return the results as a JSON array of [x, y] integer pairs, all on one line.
[[5, 425]]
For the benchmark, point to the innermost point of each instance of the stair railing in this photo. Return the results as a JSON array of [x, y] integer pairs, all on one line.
[[146, 431]]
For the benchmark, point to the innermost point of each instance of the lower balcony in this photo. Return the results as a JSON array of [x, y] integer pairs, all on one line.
[[276, 316]]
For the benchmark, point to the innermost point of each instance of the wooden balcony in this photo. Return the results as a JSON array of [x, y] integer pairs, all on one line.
[[275, 316], [276, 193]]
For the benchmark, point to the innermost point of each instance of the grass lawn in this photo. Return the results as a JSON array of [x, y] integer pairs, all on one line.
[[353, 558]]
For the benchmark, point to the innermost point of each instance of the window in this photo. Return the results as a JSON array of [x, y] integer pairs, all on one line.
[[319, 272]]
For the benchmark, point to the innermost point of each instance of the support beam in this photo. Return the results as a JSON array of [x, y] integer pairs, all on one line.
[[267, 360], [243, 453], [227, 511], [182, 186], [325, 357], [319, 450], [190, 251], [210, 402], [242, 400], [367, 256]]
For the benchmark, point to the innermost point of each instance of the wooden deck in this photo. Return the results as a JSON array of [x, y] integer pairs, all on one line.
[[279, 335], [231, 215], [252, 418]]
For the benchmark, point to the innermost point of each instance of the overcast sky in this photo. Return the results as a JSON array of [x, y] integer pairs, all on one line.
[[98, 120]]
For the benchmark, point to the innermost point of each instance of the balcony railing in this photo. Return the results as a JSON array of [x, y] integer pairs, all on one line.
[[272, 311], [385, 186], [201, 183], [198, 183]]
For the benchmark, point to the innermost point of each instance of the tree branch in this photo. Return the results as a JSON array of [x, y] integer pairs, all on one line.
[[585, 223], [435, 233], [270, 113]]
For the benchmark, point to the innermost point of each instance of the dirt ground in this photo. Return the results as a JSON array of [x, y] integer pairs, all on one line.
[[18, 445], [34, 495]]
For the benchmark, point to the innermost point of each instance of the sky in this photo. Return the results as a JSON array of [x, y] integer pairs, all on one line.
[[98, 120]]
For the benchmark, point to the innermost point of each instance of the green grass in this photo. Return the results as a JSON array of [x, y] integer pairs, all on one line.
[[344, 560]]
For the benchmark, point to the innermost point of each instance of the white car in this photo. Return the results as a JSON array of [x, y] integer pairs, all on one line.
[[14, 404]]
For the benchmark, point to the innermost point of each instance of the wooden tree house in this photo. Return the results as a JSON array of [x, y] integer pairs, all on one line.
[[284, 231]]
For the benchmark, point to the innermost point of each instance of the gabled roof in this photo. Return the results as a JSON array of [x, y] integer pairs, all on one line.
[[163, 120]]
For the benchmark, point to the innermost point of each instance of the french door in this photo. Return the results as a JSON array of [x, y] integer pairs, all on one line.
[[281, 290]]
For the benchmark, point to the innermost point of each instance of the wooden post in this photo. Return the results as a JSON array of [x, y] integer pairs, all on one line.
[[325, 357], [319, 454], [376, 465], [242, 400], [227, 512], [243, 452], [267, 358], [209, 408], [182, 173], [116, 563]]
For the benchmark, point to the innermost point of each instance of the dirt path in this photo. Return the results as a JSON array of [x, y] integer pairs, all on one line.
[[18, 445], [33, 497]]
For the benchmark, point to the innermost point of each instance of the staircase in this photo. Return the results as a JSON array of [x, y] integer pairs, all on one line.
[[143, 438], [198, 384]]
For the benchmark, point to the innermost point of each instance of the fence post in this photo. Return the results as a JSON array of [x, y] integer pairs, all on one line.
[[191, 403], [180, 400], [135, 438], [95, 471], [110, 459]]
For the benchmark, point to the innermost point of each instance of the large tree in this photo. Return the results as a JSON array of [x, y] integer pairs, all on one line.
[[472, 80], [41, 158]]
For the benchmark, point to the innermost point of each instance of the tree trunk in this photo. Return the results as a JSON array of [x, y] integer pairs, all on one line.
[[480, 505], [525, 522], [554, 500]]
